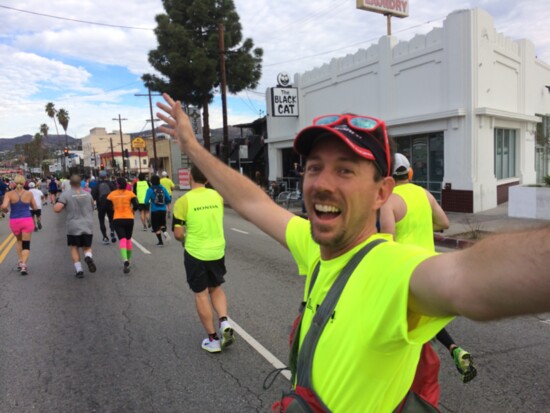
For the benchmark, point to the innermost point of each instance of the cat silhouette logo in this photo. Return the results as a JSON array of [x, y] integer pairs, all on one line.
[[283, 79]]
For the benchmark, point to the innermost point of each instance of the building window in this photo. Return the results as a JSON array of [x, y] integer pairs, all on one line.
[[505, 153], [425, 153]]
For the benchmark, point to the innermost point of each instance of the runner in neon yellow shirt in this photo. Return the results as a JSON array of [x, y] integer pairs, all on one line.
[[167, 183], [198, 223], [400, 295]]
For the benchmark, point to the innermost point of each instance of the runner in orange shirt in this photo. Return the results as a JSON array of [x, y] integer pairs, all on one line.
[[124, 204]]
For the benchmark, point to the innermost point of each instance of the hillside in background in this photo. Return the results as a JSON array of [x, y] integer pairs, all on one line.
[[50, 141]]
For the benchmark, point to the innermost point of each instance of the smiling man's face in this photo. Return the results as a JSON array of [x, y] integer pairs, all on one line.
[[341, 196]]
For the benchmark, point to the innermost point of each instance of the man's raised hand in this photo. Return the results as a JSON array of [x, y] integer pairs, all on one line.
[[177, 121]]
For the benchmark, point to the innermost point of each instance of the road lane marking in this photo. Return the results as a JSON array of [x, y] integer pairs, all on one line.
[[141, 247], [6, 246], [546, 321], [238, 230], [6, 240], [265, 353]]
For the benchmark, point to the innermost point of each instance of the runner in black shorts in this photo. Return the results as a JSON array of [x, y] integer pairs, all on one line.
[[204, 274]]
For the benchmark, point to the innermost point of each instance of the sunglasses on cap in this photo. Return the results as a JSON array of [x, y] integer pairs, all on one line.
[[373, 127]]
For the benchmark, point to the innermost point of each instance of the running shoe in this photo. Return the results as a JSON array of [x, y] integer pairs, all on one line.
[[23, 269], [90, 262], [226, 333], [113, 238], [126, 269], [465, 364], [105, 241], [39, 225], [19, 264], [166, 236], [159, 244], [144, 228], [79, 274], [212, 346]]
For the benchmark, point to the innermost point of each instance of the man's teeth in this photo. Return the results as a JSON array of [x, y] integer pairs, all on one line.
[[326, 208]]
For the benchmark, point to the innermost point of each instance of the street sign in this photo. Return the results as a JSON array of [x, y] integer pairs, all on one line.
[[397, 8], [138, 143], [243, 151], [183, 178], [284, 101]]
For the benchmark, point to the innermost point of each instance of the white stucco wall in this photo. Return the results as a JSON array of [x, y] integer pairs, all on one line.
[[464, 79]]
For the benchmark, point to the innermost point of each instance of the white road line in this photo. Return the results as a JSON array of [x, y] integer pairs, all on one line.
[[546, 321], [275, 362], [141, 247], [238, 230]]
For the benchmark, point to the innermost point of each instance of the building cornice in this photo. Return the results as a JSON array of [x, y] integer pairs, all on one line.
[[453, 113], [502, 114]]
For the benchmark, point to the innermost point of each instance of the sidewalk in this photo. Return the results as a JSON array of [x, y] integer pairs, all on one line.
[[464, 227]]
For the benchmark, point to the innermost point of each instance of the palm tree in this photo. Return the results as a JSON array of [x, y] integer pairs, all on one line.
[[44, 130], [51, 112], [63, 118]]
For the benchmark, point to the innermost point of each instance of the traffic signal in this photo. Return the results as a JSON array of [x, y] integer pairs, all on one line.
[[102, 166], [66, 151]]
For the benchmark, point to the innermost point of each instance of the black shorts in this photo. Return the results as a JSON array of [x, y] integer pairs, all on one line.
[[81, 241], [124, 228], [53, 191], [158, 220], [203, 274], [36, 212], [143, 207]]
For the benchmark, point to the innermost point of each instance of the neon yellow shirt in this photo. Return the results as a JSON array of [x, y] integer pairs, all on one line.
[[367, 355], [202, 211], [168, 184], [141, 191], [416, 227]]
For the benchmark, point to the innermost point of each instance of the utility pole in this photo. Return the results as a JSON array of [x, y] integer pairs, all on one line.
[[112, 155], [224, 98], [121, 143], [95, 164], [153, 134]]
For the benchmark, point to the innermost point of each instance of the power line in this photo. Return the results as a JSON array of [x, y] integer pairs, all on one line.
[[351, 45], [75, 20]]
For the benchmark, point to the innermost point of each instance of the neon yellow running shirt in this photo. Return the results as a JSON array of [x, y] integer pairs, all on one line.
[[202, 211], [168, 184], [416, 227], [367, 355]]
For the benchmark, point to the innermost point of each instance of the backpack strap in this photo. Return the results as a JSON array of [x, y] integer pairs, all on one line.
[[295, 345], [324, 313]]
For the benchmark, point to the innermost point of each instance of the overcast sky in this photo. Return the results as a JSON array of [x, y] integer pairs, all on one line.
[[93, 70]]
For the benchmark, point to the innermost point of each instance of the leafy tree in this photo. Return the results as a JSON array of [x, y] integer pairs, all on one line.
[[188, 55], [51, 112]]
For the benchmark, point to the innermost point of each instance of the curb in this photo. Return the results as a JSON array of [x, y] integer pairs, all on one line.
[[449, 242]]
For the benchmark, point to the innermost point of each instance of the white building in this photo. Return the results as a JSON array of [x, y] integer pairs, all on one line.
[[468, 106]]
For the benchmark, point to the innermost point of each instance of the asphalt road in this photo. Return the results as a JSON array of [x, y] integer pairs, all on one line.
[[131, 343]]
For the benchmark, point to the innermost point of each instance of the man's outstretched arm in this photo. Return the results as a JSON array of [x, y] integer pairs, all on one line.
[[501, 276], [241, 193]]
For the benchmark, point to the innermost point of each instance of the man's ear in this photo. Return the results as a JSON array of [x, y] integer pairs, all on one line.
[[385, 189]]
